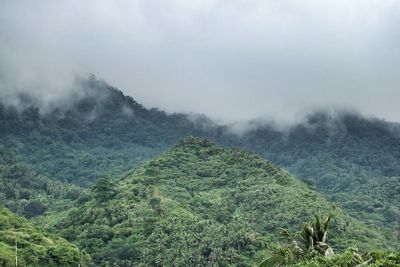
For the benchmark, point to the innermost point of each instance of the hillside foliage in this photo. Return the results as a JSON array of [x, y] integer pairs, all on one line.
[[352, 160], [81, 168], [199, 204], [34, 247], [29, 194]]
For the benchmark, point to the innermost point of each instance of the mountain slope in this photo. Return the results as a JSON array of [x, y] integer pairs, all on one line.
[[353, 161], [35, 248], [29, 194], [199, 204]]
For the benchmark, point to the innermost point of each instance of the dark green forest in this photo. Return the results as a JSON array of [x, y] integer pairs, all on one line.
[[126, 186]]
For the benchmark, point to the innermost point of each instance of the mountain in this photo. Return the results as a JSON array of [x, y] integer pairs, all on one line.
[[34, 247], [96, 131], [199, 204], [352, 160]]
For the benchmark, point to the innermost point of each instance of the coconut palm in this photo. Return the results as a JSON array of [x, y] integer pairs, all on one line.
[[310, 241]]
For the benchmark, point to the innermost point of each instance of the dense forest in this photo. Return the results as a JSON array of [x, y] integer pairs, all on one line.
[[350, 159], [34, 247], [123, 184], [29, 194], [199, 204]]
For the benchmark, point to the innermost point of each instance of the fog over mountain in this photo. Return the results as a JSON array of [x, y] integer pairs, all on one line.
[[232, 60]]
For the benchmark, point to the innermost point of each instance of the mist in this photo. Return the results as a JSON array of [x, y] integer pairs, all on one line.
[[231, 60]]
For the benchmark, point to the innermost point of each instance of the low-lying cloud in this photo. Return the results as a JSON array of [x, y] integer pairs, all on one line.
[[232, 60]]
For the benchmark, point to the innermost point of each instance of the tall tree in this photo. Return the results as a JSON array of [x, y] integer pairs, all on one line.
[[104, 189]]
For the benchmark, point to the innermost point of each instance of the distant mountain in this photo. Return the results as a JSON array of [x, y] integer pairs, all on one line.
[[94, 132], [200, 205], [34, 247]]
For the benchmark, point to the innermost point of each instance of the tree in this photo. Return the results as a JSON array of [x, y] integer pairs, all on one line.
[[309, 242], [104, 189], [34, 208]]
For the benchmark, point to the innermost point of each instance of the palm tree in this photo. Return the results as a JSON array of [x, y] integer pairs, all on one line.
[[311, 240], [313, 237], [277, 258]]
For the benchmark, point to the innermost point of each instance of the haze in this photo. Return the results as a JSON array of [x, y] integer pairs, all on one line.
[[231, 60]]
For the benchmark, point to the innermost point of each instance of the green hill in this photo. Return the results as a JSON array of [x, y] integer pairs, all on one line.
[[199, 204], [35, 248], [352, 160]]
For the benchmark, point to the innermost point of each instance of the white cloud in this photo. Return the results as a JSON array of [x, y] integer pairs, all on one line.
[[233, 60]]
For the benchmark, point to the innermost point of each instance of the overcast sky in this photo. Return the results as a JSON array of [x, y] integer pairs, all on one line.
[[232, 60]]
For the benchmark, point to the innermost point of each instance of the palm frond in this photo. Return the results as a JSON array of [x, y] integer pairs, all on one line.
[[277, 258]]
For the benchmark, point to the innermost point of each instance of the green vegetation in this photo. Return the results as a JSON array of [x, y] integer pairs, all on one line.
[[101, 132], [353, 161], [35, 248], [308, 248], [199, 204], [29, 194], [352, 258]]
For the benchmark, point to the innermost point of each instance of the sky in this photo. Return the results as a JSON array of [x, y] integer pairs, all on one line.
[[231, 60]]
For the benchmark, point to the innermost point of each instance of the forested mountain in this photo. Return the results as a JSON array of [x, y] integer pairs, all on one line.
[[96, 131], [49, 157], [34, 247], [352, 160], [199, 204]]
